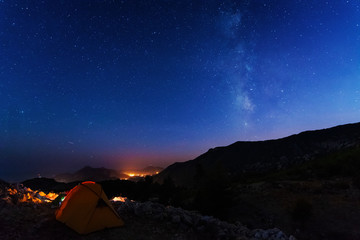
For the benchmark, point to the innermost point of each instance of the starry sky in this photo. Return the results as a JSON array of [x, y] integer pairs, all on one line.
[[122, 84]]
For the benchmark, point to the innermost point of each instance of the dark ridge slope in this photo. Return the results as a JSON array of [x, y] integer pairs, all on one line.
[[262, 156]]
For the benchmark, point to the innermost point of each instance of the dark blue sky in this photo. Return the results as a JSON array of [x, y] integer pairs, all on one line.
[[121, 83]]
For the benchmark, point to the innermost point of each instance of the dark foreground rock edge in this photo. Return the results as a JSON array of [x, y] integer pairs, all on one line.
[[147, 220], [203, 227]]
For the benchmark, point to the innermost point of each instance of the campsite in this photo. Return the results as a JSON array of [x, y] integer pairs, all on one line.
[[179, 119], [86, 213]]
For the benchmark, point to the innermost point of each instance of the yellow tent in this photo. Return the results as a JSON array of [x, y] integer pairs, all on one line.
[[86, 209]]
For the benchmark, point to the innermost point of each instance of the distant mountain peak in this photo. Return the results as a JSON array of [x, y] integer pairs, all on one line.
[[89, 173]]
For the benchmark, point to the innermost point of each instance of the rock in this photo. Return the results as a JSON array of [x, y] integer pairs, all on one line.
[[200, 228], [169, 210], [176, 219], [157, 208], [280, 235], [195, 219], [186, 219], [258, 235], [221, 234], [138, 210], [265, 235], [207, 227], [126, 207], [159, 217], [272, 234], [207, 219], [147, 208]]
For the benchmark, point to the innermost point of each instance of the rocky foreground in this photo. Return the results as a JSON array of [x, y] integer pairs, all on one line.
[[148, 220]]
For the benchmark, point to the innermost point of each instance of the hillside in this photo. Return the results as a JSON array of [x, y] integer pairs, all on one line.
[[244, 158]]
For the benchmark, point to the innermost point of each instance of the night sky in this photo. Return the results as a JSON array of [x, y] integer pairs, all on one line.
[[122, 84]]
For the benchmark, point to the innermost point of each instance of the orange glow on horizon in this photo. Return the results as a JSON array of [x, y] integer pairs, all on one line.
[[139, 174]]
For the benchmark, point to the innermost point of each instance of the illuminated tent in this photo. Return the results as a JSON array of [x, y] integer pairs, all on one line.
[[86, 209]]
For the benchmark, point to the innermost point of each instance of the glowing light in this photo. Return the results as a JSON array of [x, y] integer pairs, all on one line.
[[119, 199], [12, 191], [28, 195], [139, 174]]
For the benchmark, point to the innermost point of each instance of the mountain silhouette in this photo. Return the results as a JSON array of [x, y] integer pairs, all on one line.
[[262, 156], [90, 173]]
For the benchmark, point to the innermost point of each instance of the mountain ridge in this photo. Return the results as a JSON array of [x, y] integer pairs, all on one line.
[[89, 173], [102, 174], [260, 156]]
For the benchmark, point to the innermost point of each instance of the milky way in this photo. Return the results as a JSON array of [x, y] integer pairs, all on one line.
[[119, 83]]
